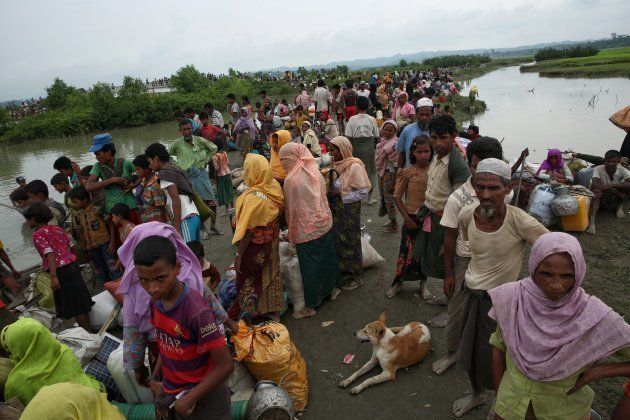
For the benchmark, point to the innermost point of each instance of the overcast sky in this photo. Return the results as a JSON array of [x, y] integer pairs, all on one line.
[[86, 41]]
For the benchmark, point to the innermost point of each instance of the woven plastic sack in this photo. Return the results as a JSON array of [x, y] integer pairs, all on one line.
[[83, 344], [269, 354]]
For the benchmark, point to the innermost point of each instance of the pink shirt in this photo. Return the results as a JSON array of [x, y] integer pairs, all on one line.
[[49, 239]]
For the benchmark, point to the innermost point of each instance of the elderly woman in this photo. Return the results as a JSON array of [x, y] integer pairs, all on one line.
[[344, 196], [245, 131], [277, 140], [554, 169], [552, 336], [310, 225], [257, 233], [404, 113]]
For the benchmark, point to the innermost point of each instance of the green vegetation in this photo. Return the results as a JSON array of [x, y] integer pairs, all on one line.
[[572, 52], [608, 62], [457, 60]]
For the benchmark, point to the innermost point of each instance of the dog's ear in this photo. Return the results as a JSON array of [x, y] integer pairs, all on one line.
[[383, 318], [380, 333]]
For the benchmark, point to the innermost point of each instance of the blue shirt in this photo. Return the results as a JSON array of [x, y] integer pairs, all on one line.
[[406, 139]]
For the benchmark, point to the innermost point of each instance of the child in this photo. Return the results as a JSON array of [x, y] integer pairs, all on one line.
[[221, 163], [150, 197], [96, 197], [187, 337], [70, 169], [99, 235], [62, 186], [20, 199], [38, 193], [72, 298], [209, 272], [120, 218]]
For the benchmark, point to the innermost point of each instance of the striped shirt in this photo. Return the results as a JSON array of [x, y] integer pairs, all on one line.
[[186, 333]]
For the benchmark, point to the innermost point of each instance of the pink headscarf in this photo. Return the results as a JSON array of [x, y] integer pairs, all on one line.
[[246, 123], [547, 166], [136, 310], [306, 206], [386, 150], [552, 340]]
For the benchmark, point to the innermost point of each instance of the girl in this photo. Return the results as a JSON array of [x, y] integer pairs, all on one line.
[[72, 299], [386, 166], [221, 163], [344, 197], [309, 139], [551, 336], [412, 183], [245, 131], [553, 168]]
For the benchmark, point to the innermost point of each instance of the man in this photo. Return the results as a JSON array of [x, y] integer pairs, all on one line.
[[209, 131], [457, 251], [349, 97], [233, 108], [447, 172], [473, 132], [194, 118], [497, 234], [320, 96], [114, 174], [214, 116], [611, 185], [337, 107], [424, 113], [303, 98], [193, 154], [363, 91], [362, 131]]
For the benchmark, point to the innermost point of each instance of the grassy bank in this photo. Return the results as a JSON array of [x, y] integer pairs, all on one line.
[[607, 63]]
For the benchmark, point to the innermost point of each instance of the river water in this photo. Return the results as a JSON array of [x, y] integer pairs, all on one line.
[[556, 115]]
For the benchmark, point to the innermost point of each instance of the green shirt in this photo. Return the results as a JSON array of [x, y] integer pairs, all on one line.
[[549, 400], [114, 193], [198, 154]]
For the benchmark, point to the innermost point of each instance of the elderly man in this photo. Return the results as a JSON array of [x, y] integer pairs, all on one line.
[[424, 113], [193, 154], [497, 234]]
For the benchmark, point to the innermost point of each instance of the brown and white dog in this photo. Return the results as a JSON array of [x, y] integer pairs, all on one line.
[[392, 348]]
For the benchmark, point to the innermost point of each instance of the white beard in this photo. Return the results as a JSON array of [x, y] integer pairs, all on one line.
[[485, 213]]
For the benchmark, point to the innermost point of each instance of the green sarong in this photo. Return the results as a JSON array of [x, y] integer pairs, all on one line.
[[319, 268]]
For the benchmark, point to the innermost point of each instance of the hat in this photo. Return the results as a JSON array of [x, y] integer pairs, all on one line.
[[495, 166], [424, 102], [100, 140]]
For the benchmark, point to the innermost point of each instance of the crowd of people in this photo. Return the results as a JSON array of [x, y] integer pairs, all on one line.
[[535, 342], [26, 108]]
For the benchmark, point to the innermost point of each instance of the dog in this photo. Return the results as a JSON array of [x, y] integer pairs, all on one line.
[[392, 348]]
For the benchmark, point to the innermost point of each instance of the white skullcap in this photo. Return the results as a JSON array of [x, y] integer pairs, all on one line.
[[495, 166], [424, 102]]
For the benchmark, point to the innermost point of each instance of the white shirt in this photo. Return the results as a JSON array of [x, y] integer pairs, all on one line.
[[187, 204], [365, 93], [620, 176], [320, 96], [362, 125], [217, 118]]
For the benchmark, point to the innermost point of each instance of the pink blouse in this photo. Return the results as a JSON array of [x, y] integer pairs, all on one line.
[[49, 239]]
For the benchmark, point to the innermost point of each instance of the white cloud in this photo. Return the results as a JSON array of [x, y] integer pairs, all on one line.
[[88, 41]]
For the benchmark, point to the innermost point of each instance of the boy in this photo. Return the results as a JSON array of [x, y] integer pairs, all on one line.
[[60, 184], [98, 231], [70, 169], [611, 185], [209, 131], [20, 200], [152, 197], [194, 360], [209, 272], [38, 193], [120, 218]]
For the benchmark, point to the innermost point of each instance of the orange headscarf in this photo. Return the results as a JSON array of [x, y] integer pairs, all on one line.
[[306, 207], [284, 137], [621, 118], [351, 170], [262, 202]]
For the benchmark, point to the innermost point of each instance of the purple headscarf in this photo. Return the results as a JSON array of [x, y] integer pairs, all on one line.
[[547, 166], [552, 340], [136, 299], [246, 123]]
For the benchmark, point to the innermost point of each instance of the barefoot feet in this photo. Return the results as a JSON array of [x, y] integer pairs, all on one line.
[[439, 321], [464, 405], [304, 313], [445, 362]]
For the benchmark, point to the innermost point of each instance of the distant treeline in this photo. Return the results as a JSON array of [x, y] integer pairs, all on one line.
[[457, 60], [583, 50]]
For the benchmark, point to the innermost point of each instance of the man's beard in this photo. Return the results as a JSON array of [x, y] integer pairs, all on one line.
[[486, 213], [188, 138], [424, 126]]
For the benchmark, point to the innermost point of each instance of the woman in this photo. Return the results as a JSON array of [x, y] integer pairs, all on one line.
[[245, 131], [309, 139], [258, 260], [386, 166], [329, 130], [412, 183], [138, 332], [39, 360], [310, 225], [344, 197], [551, 336], [383, 98], [278, 139], [554, 169], [404, 113]]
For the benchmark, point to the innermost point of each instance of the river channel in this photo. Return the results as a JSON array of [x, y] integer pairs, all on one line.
[[556, 114]]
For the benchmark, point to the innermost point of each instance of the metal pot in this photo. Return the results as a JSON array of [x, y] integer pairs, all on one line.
[[564, 204], [270, 400]]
